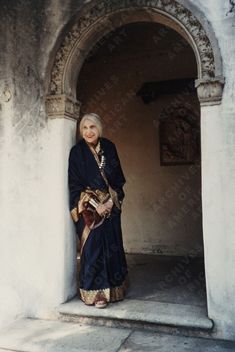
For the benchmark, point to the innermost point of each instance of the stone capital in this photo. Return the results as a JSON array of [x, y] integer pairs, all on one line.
[[62, 106], [210, 91]]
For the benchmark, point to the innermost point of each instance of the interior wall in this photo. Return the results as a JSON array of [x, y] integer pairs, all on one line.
[[162, 208]]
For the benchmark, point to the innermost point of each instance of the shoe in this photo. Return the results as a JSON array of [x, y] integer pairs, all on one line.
[[101, 303]]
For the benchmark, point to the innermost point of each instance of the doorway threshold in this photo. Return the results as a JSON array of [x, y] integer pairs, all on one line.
[[138, 312], [166, 294]]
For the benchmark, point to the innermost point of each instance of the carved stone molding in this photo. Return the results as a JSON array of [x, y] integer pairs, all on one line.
[[97, 11], [62, 106], [210, 91]]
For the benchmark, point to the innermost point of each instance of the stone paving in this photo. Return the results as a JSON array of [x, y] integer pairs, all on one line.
[[29, 335]]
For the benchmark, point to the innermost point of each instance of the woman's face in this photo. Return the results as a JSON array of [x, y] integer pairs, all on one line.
[[90, 132]]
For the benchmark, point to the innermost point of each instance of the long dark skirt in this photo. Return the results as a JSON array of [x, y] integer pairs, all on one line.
[[103, 268]]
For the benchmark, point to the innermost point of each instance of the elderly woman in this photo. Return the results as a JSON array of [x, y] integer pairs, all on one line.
[[96, 193]]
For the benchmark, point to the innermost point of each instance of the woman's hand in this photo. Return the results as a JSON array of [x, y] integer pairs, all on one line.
[[101, 209], [105, 209], [109, 205]]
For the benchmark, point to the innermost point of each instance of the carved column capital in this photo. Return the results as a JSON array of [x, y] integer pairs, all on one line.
[[210, 91], [62, 106]]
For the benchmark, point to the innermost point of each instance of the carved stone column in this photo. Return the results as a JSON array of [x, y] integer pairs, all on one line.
[[210, 91], [62, 106]]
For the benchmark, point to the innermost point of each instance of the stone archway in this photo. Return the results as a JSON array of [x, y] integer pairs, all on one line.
[[95, 20]]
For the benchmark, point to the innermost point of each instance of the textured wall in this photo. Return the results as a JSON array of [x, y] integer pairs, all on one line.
[[218, 187], [37, 239]]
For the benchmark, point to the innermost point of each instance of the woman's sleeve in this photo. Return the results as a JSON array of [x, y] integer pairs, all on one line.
[[119, 178], [75, 181]]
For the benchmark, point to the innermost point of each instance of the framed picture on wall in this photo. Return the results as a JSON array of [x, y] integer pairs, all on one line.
[[179, 136]]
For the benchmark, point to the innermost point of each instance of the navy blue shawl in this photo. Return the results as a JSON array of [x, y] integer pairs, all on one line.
[[84, 172]]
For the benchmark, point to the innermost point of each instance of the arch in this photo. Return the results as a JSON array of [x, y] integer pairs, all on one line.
[[101, 17]]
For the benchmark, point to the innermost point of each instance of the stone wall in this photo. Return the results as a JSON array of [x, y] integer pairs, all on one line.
[[218, 189], [36, 269]]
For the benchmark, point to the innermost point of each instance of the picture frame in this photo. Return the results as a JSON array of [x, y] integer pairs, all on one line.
[[179, 136]]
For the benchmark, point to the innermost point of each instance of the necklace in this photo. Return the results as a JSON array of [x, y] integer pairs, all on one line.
[[101, 156], [101, 160]]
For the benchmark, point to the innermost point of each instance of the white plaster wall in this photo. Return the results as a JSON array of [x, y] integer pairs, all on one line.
[[218, 179], [218, 216], [38, 243], [37, 239], [11, 304]]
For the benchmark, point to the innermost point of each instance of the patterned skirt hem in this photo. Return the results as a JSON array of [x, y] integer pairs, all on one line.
[[112, 294]]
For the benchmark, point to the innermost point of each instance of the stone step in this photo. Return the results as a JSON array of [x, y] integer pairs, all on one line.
[[134, 313]]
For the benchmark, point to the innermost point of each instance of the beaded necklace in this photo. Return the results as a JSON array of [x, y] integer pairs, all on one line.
[[101, 160]]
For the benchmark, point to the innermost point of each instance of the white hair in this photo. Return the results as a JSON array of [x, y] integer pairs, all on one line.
[[93, 118]]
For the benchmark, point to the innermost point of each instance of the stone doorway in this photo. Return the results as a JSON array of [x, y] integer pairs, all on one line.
[[119, 80], [95, 21], [114, 82]]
